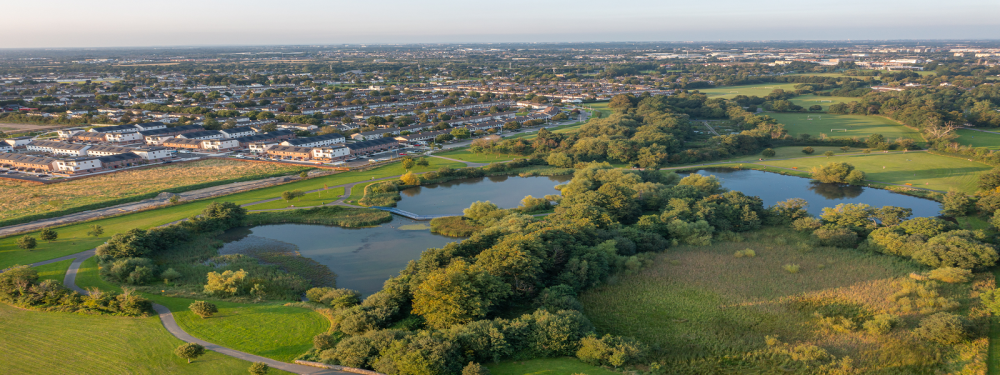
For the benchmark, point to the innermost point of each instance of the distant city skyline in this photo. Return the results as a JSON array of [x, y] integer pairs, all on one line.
[[120, 23]]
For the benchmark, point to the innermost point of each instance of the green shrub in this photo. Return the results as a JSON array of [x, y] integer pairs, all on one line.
[[189, 351], [950, 275], [942, 328], [806, 224], [27, 242], [227, 284], [48, 234], [611, 350], [836, 237], [203, 309], [339, 298], [791, 268], [475, 369], [324, 341], [170, 274], [881, 324], [135, 271], [748, 253], [559, 297], [260, 368]]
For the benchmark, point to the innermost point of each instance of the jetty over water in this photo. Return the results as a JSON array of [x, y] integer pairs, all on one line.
[[410, 215]]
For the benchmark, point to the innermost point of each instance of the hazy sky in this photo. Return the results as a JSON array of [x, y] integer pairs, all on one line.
[[106, 23]]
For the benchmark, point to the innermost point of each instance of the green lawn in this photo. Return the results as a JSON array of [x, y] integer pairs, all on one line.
[[266, 329], [63, 343], [760, 89], [308, 200], [73, 238], [547, 366], [808, 100], [465, 155], [856, 125], [922, 169], [978, 139], [53, 271]]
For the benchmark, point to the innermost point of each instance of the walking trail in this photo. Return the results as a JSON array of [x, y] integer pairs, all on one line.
[[171, 325]]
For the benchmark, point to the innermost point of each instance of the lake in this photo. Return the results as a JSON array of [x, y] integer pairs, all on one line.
[[774, 188], [450, 198]]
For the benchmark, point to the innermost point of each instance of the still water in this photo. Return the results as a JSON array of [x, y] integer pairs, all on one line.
[[773, 188], [450, 198]]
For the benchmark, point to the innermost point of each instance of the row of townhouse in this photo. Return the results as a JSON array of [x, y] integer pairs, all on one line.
[[70, 166], [381, 133], [325, 153], [216, 144], [80, 150]]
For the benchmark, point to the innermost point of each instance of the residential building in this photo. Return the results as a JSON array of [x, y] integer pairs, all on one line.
[[58, 148], [317, 141], [331, 153], [373, 146], [78, 165], [220, 144], [242, 131], [205, 134], [290, 152], [27, 162], [127, 159]]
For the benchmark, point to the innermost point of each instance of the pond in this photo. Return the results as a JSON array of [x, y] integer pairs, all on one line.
[[773, 188], [450, 198], [362, 258]]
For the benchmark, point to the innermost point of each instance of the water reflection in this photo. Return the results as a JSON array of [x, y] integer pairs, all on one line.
[[773, 188], [836, 191], [450, 198]]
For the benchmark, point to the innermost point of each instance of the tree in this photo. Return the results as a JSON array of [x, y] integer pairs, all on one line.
[[173, 199], [989, 180], [957, 248], [457, 294], [475, 369], [875, 140], [203, 309], [27, 242], [410, 178], [189, 351], [227, 284], [408, 163], [620, 103], [303, 174], [815, 108], [478, 210], [559, 159], [955, 203], [259, 368], [942, 328], [423, 162], [768, 153], [461, 133], [837, 172], [95, 230], [808, 150], [828, 154], [48, 235]]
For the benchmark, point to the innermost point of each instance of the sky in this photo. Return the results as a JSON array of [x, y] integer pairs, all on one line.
[[140, 23]]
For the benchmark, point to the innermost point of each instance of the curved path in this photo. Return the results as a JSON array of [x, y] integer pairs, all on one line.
[[170, 324]]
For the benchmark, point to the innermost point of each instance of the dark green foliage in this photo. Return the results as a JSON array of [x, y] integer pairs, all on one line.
[[808, 150], [611, 350], [989, 180], [959, 248], [338, 298], [955, 203], [221, 216], [48, 234], [768, 153], [324, 341], [131, 244], [27, 242], [837, 237], [19, 286], [475, 369], [837, 172], [260, 368], [203, 309], [942, 328], [135, 271]]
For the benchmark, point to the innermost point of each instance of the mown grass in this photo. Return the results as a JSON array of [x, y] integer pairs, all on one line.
[[63, 343], [308, 200], [757, 89], [856, 125], [702, 303], [268, 329], [978, 139], [483, 157], [547, 366], [921, 169], [25, 199], [784, 152], [73, 238], [53, 271]]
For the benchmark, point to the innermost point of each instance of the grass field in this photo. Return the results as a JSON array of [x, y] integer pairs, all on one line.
[[265, 329], [786, 152], [760, 89], [26, 199], [465, 155], [808, 100], [547, 366], [308, 200], [63, 343], [53, 271], [978, 139], [696, 303], [922, 169], [856, 125], [73, 238]]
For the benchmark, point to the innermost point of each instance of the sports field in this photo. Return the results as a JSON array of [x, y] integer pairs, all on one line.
[[816, 124], [63, 343], [825, 101], [759, 89], [921, 169], [978, 138]]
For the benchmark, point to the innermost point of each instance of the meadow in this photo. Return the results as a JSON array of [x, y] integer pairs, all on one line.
[[64, 343], [817, 124], [23, 200], [989, 140], [921, 169], [308, 200], [700, 304], [73, 238], [757, 89], [464, 154]]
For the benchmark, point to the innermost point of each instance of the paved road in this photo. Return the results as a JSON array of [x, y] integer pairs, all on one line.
[[146, 204], [171, 325]]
